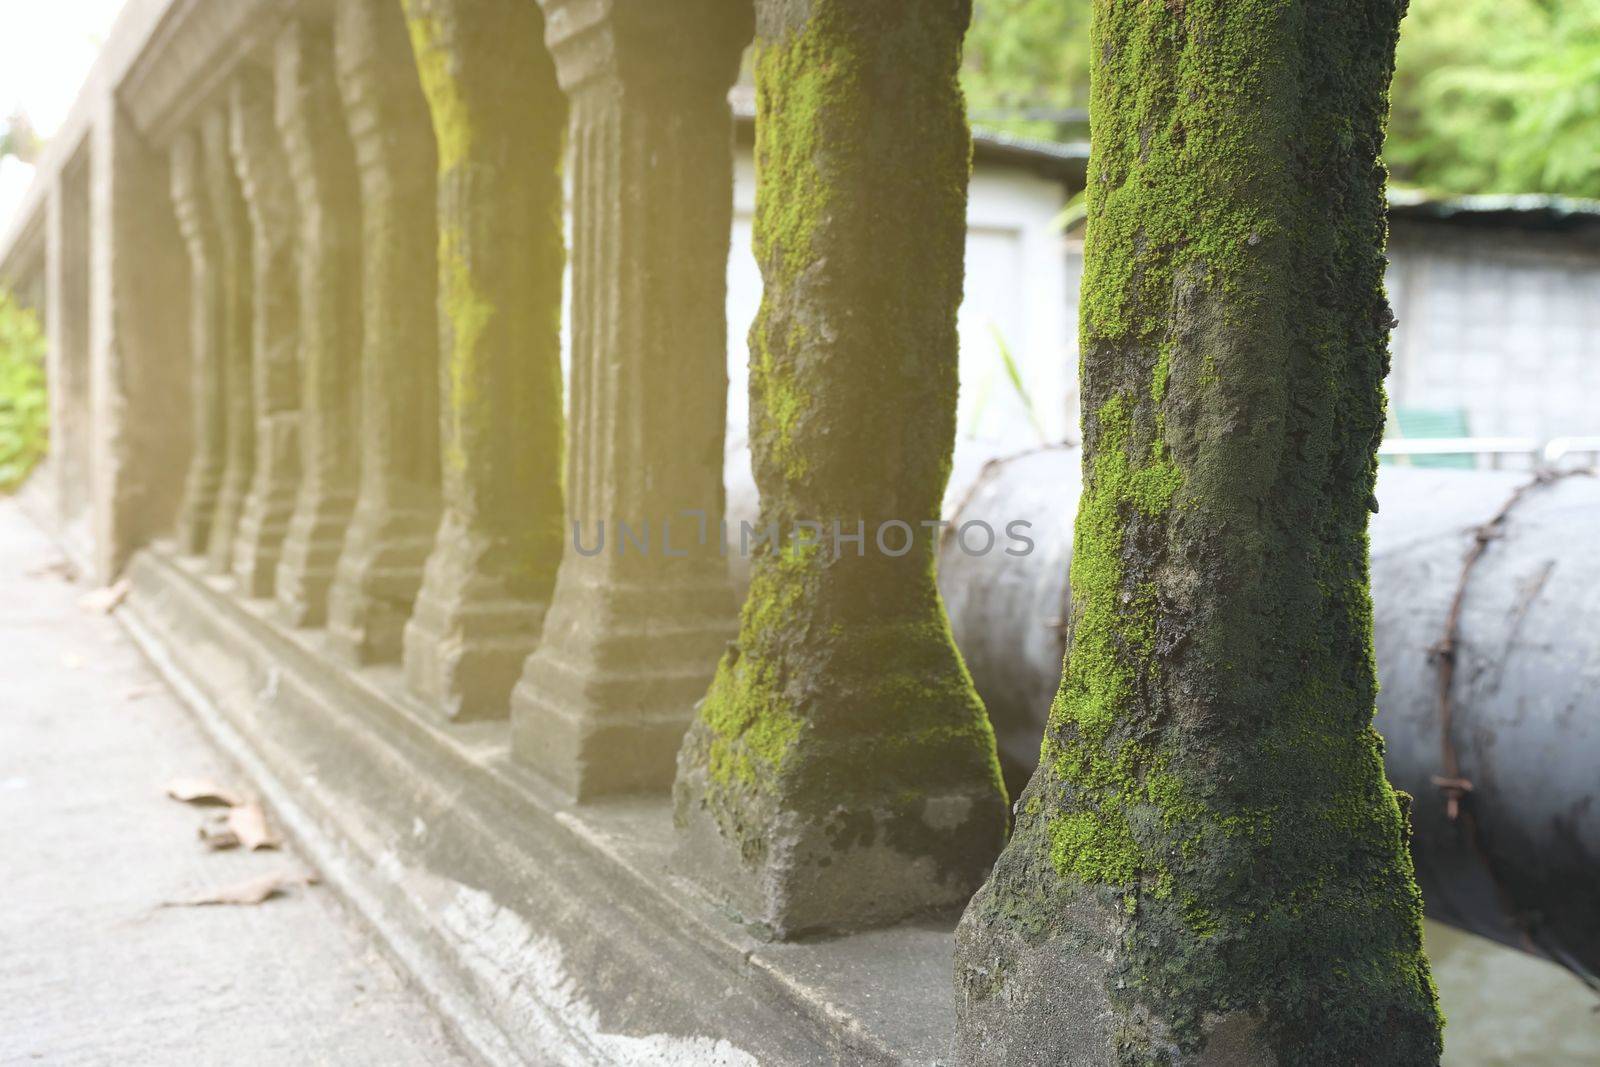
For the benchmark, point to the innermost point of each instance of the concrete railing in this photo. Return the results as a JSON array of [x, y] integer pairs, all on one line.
[[301, 264]]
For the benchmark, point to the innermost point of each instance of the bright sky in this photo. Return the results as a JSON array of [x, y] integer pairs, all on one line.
[[46, 50]]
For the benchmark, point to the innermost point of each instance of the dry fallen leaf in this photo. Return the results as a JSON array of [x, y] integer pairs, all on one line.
[[249, 825], [217, 835], [203, 791], [105, 600], [253, 891], [61, 567]]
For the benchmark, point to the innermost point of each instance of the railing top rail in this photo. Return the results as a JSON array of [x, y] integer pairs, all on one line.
[[1460, 446]]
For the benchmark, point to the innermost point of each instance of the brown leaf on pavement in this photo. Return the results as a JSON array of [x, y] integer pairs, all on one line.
[[254, 891], [61, 567], [217, 835], [105, 601], [203, 791], [249, 825]]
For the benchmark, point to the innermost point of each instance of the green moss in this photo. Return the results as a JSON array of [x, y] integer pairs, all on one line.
[[464, 301], [468, 310], [498, 120], [805, 82], [1209, 761], [752, 724], [781, 403], [844, 691], [441, 83]]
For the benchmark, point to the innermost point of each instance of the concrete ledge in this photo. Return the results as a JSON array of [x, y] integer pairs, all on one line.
[[545, 932]]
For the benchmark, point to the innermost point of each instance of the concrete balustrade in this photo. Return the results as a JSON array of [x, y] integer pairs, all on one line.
[[503, 683]]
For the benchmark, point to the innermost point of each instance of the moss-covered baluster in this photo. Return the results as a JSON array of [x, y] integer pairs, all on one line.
[[498, 118], [634, 631], [322, 171], [1209, 865], [269, 202], [235, 269], [209, 413], [397, 510], [841, 771]]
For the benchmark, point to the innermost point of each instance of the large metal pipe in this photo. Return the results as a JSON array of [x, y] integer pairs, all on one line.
[[1520, 862]]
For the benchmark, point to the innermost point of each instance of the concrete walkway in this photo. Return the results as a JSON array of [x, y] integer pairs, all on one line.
[[92, 969]]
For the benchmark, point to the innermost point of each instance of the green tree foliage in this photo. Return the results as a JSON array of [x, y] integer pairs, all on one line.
[[1027, 67], [1498, 96], [24, 408], [17, 138], [1490, 96]]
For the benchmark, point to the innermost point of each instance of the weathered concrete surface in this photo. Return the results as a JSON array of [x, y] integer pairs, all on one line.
[[138, 325], [93, 972], [632, 638], [549, 932], [235, 265], [397, 508], [79, 797], [1504, 1008], [499, 118], [269, 198], [322, 167], [840, 772], [209, 409]]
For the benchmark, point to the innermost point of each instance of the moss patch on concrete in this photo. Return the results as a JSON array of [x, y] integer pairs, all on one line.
[[1210, 770], [843, 701]]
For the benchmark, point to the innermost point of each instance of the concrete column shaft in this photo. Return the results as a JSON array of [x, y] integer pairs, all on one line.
[[322, 172], [841, 771], [236, 341], [499, 119], [270, 204], [397, 509], [208, 402], [633, 635]]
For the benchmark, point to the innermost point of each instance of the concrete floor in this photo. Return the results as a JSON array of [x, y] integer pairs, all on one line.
[[92, 969]]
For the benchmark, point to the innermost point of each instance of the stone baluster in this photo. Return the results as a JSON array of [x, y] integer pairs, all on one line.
[[632, 635], [841, 771], [138, 324], [71, 246], [206, 322], [1209, 865], [235, 280], [269, 201], [499, 120], [322, 170], [397, 509]]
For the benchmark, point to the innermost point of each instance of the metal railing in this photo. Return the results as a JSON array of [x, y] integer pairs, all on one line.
[[1559, 449], [1493, 449], [1493, 452]]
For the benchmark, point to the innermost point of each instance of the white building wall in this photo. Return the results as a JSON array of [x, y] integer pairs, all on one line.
[[1503, 325]]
